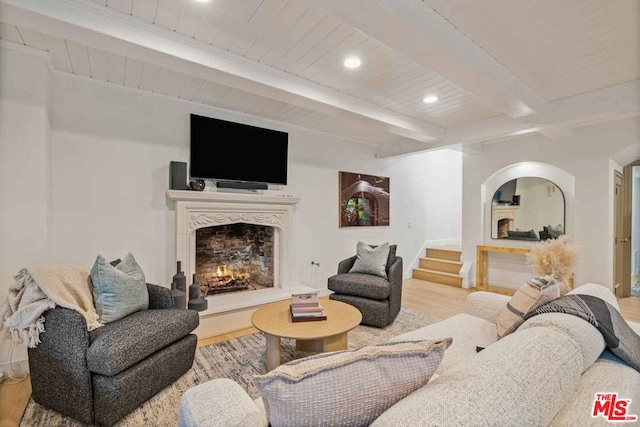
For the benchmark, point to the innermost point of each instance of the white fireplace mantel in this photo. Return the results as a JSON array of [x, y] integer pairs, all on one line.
[[200, 209], [210, 196]]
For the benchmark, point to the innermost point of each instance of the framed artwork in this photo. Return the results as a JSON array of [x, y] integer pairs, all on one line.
[[364, 200]]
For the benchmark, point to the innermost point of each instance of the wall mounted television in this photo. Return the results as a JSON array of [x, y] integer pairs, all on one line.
[[228, 151]]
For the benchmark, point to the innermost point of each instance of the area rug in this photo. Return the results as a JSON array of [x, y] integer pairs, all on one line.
[[239, 359]]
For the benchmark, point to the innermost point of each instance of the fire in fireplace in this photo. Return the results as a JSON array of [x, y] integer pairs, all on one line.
[[227, 280], [234, 257]]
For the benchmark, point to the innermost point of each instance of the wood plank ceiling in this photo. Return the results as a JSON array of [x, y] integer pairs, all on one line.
[[549, 52]]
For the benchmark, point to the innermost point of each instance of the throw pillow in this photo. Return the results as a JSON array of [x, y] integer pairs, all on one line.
[[529, 234], [348, 388], [392, 256], [533, 293], [556, 231], [371, 260], [118, 291]]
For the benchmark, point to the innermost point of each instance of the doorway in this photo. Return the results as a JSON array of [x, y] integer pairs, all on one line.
[[627, 231]]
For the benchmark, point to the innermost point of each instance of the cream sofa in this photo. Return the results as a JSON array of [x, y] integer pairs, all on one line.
[[546, 373]]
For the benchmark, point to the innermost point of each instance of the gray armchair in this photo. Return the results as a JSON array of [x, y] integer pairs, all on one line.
[[99, 376], [377, 298]]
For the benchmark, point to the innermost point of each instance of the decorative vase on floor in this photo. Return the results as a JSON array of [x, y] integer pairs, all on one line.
[[179, 297], [196, 302], [180, 281]]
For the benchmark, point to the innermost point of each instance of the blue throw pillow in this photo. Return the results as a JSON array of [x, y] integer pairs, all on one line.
[[118, 291]]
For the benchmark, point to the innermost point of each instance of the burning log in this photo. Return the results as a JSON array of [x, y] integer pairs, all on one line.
[[232, 285]]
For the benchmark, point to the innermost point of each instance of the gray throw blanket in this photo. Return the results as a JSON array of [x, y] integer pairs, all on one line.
[[618, 335]]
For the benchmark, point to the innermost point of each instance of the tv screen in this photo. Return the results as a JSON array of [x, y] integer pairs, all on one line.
[[229, 151]]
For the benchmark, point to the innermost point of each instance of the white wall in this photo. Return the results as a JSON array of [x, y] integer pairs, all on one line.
[[429, 196], [110, 173], [586, 156], [94, 181], [24, 171], [425, 190]]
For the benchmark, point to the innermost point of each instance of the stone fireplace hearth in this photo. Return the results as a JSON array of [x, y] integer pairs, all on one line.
[[198, 211]]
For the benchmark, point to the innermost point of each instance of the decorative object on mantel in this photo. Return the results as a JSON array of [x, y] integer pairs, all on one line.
[[196, 301], [364, 200], [555, 257], [197, 185], [177, 175], [180, 281]]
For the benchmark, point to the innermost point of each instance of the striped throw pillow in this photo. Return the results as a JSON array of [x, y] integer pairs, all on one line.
[[533, 293]]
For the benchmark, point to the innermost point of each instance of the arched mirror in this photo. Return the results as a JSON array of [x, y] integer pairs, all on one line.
[[527, 208]]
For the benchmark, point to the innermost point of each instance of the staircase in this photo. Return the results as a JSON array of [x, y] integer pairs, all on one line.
[[441, 265]]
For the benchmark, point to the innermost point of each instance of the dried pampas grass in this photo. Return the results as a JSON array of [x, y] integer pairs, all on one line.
[[555, 257]]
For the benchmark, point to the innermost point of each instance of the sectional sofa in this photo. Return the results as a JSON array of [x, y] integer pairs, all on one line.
[[548, 372]]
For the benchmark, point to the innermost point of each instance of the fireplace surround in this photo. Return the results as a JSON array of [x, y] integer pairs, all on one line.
[[202, 209]]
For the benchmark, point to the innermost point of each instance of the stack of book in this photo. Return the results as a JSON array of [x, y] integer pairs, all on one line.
[[306, 307]]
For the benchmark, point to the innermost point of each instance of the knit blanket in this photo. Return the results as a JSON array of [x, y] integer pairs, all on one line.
[[37, 290], [618, 335]]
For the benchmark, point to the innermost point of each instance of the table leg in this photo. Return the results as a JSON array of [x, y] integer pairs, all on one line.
[[481, 270], [336, 342], [315, 346], [273, 352]]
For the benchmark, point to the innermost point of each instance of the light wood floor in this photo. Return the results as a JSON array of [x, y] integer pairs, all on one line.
[[437, 300]]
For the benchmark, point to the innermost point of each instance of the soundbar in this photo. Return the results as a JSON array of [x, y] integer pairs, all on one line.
[[238, 185]]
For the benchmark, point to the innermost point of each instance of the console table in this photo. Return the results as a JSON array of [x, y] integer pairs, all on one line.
[[482, 267]]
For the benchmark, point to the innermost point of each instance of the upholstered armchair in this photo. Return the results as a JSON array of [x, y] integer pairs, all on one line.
[[378, 298], [99, 376]]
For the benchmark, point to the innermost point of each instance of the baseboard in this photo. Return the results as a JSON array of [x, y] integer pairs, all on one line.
[[16, 368], [465, 273]]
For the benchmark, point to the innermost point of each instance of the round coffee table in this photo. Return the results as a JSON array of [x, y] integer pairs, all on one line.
[[275, 322]]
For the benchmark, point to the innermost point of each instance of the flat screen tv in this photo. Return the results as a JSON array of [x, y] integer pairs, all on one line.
[[227, 151]]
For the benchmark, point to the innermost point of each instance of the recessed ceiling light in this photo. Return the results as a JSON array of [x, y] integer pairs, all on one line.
[[430, 99], [352, 62], [203, 1]]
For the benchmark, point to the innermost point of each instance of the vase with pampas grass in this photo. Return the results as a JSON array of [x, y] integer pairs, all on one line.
[[555, 257]]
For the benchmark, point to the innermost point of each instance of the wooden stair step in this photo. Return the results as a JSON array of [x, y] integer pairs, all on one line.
[[437, 277], [442, 253], [438, 264]]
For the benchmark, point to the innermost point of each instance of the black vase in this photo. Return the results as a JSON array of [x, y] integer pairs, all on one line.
[[179, 297], [180, 281], [196, 301], [194, 289]]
